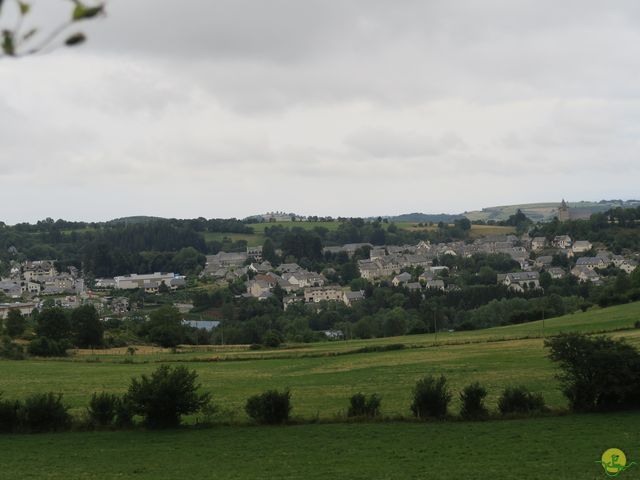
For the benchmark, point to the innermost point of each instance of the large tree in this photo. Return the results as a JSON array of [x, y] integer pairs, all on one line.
[[87, 328]]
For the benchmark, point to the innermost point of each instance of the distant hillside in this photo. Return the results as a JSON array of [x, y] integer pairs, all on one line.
[[425, 217], [134, 220], [546, 211]]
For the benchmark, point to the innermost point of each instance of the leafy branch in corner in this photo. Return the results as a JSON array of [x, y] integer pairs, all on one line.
[[19, 42]]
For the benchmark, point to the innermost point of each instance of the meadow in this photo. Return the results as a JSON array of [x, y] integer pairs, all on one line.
[[258, 237], [323, 376], [565, 447]]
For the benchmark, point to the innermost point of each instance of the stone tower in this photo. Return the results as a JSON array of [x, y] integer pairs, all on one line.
[[563, 212]]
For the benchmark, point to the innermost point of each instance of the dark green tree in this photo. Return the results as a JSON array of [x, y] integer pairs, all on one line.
[[165, 396], [88, 330], [15, 323], [54, 323], [165, 327]]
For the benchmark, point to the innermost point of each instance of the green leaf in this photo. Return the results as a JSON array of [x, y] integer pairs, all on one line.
[[82, 12], [75, 39], [8, 45], [24, 7]]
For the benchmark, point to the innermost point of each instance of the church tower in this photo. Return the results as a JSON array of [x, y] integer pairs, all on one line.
[[563, 212]]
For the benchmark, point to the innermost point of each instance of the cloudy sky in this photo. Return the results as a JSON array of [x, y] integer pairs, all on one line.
[[221, 108]]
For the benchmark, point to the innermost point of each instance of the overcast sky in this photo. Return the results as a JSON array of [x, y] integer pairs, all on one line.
[[322, 107]]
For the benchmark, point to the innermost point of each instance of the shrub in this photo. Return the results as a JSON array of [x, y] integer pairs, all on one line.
[[165, 396], [124, 412], [44, 412], [271, 339], [361, 406], [11, 350], [597, 374], [472, 399], [46, 347], [9, 415], [102, 408], [520, 400], [431, 397], [270, 407]]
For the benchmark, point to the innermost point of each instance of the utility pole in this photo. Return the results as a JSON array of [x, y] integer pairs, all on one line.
[[435, 326]]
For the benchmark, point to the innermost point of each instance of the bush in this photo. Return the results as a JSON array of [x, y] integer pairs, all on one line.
[[271, 339], [44, 412], [9, 415], [10, 350], [520, 400], [102, 408], [271, 407], [598, 374], [431, 397], [472, 399], [46, 347], [124, 413], [361, 406], [165, 396]]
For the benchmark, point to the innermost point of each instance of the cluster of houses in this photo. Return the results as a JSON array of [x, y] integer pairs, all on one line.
[[391, 262], [149, 282], [35, 278]]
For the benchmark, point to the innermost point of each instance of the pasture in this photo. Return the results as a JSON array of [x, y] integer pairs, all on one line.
[[323, 376], [556, 448]]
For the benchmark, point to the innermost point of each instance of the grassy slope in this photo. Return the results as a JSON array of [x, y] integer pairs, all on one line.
[[322, 384], [258, 237], [554, 448]]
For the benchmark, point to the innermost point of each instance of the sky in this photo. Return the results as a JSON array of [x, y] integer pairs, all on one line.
[[228, 108]]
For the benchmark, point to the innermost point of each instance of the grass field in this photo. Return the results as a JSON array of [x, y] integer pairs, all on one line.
[[258, 237], [323, 376], [543, 448]]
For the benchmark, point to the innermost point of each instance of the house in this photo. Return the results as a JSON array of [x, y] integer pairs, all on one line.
[[591, 262], [10, 288], [24, 308], [438, 270], [543, 261], [258, 286], [289, 268], [303, 278], [538, 243], [254, 253], [426, 277], [585, 274], [437, 284], [263, 267], [224, 259], [403, 278], [581, 246], [556, 272], [413, 286], [628, 265], [320, 294], [520, 281], [562, 241], [349, 298], [103, 283], [120, 305]]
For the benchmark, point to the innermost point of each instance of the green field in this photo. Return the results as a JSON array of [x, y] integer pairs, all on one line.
[[322, 376], [258, 237], [543, 448]]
